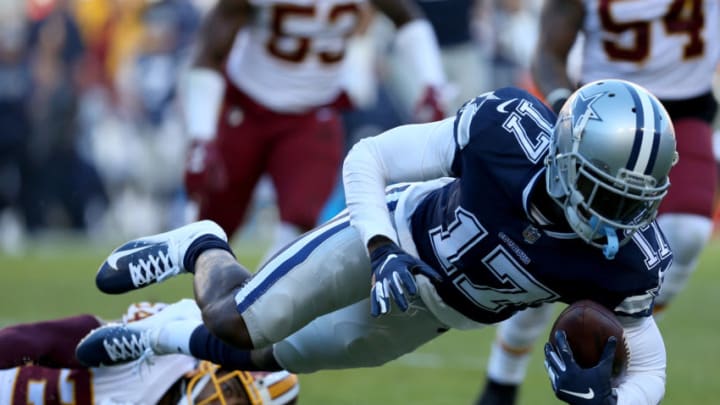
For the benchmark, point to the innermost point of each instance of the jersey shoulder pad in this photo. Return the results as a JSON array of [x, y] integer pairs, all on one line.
[[485, 114]]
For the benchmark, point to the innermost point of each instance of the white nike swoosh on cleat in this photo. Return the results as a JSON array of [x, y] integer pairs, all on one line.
[[584, 395], [113, 258], [501, 106]]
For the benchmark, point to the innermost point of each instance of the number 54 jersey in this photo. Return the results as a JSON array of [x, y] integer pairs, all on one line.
[[479, 229], [670, 47]]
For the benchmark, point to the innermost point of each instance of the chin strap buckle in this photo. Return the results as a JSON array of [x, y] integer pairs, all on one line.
[[612, 245]]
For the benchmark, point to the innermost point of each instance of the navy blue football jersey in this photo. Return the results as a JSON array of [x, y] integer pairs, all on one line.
[[494, 258]]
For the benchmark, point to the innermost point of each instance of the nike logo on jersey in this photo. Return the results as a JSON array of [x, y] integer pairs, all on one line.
[[584, 395], [501, 107], [113, 258]]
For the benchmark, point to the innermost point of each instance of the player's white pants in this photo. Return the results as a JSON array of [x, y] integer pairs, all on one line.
[[312, 300]]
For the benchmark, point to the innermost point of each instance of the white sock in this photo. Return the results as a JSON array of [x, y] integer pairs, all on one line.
[[507, 368], [508, 365], [174, 337]]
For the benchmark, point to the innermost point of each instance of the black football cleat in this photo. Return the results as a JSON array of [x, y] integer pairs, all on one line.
[[112, 344], [495, 393], [151, 259]]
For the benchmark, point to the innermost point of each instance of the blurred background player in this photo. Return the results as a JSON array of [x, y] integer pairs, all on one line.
[[508, 31], [670, 48], [384, 94], [38, 366], [263, 97], [484, 44], [455, 25]]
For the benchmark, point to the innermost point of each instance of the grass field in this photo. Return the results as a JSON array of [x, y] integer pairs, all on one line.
[[56, 278]]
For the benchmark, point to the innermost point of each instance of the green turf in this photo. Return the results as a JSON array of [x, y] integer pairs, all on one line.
[[56, 279]]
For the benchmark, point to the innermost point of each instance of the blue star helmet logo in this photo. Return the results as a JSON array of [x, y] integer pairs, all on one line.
[[584, 104]]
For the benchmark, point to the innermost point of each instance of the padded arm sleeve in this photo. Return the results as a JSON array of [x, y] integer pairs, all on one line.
[[402, 154], [645, 379]]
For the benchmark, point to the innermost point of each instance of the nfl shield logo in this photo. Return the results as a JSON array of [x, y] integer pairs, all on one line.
[[531, 234]]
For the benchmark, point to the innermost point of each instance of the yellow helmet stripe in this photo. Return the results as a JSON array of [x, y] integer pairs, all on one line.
[[283, 386]]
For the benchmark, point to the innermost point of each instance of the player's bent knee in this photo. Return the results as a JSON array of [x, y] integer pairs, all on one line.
[[226, 323]]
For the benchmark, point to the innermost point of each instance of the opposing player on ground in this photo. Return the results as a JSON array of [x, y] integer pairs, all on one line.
[[38, 366], [263, 98], [501, 193], [669, 47]]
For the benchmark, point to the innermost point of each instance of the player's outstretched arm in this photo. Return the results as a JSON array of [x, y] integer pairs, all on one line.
[[560, 22], [202, 90], [417, 44], [405, 153], [644, 382], [47, 343]]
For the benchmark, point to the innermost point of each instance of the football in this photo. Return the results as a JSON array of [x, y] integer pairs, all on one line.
[[588, 325]]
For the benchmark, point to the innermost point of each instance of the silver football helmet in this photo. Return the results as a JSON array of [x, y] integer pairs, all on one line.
[[612, 149]]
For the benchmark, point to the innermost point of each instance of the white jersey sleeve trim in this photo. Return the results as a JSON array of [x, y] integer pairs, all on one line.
[[403, 154], [644, 382]]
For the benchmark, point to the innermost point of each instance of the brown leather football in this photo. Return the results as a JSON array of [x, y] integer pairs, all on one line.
[[588, 325]]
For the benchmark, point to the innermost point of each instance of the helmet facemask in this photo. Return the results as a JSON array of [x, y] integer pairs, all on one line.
[[207, 374], [595, 170], [596, 204], [211, 384]]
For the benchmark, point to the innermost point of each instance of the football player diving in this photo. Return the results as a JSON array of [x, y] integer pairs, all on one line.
[[38, 366], [458, 223], [677, 66]]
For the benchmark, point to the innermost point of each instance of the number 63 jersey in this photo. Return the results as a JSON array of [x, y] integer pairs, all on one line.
[[476, 228]]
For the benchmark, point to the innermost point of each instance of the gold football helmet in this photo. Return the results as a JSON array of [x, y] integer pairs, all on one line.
[[211, 384]]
